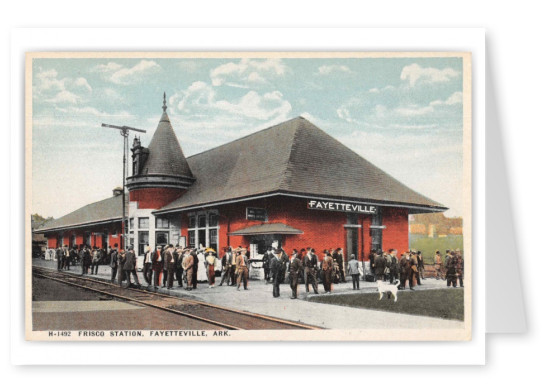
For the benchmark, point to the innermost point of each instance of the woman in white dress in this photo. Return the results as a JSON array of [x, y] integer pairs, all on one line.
[[201, 268]]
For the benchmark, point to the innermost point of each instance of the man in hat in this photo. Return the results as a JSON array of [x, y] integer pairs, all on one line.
[[294, 272], [339, 258], [414, 260], [233, 271], [195, 268], [277, 270], [451, 274], [187, 264], [59, 257], [421, 265], [266, 263], [460, 266], [438, 265], [242, 269], [157, 266], [226, 266], [354, 271], [380, 264], [394, 266], [147, 265], [168, 259], [405, 271], [120, 261], [165, 266], [310, 266], [129, 267], [327, 271], [178, 258], [113, 255]]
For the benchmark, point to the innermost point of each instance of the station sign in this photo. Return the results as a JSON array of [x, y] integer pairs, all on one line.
[[340, 206], [258, 214]]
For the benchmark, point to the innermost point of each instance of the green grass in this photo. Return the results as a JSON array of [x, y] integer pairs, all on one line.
[[428, 246], [438, 303]]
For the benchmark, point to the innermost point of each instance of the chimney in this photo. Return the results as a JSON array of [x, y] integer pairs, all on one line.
[[117, 191]]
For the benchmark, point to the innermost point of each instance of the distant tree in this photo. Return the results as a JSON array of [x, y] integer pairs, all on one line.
[[38, 220]]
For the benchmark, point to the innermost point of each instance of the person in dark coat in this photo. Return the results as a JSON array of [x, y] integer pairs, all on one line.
[[168, 258], [178, 258], [421, 265], [266, 263], [451, 273], [59, 257], [371, 258], [226, 266], [405, 271], [157, 265], [121, 258], [339, 258], [277, 271], [113, 262], [380, 264], [129, 267], [327, 271], [460, 267], [195, 268], [394, 265], [86, 259], [294, 272], [310, 268]]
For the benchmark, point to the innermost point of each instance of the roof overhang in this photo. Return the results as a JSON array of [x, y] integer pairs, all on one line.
[[267, 229], [75, 226], [412, 208]]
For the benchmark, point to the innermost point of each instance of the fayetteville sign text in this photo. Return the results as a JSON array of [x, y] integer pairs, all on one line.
[[342, 206]]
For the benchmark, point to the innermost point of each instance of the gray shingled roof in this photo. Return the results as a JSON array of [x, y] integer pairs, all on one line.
[[165, 153], [109, 209], [265, 229], [294, 157]]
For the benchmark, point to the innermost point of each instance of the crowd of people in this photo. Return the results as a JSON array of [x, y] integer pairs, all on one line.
[[169, 264]]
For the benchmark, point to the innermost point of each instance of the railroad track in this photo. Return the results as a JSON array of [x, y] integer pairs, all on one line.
[[227, 318]]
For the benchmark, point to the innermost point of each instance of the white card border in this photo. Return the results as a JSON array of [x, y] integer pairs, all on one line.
[[269, 353]]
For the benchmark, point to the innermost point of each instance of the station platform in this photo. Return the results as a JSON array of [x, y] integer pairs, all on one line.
[[258, 299]]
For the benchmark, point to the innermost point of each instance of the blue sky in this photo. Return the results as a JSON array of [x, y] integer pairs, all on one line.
[[404, 115]]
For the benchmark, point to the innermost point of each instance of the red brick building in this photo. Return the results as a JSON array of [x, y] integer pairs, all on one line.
[[290, 185]]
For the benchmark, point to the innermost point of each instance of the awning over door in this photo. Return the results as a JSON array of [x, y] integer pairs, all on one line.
[[267, 229]]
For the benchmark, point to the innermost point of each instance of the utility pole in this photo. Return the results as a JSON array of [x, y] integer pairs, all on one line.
[[125, 131]]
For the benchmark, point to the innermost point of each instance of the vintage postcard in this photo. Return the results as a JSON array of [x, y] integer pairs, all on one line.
[[248, 196]]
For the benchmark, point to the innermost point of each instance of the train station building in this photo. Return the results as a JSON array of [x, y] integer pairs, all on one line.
[[290, 185]]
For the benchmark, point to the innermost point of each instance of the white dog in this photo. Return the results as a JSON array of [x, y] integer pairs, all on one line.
[[391, 289]]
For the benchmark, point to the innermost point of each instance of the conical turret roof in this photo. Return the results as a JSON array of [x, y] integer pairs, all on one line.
[[165, 153], [165, 165]]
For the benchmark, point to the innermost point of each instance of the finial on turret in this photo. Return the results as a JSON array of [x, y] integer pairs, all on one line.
[[164, 102]]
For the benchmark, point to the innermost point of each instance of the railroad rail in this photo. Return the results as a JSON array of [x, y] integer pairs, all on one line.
[[227, 318]]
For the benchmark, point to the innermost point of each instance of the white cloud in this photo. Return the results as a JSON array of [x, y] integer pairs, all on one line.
[[49, 88], [82, 82], [261, 107], [119, 74], [200, 97], [454, 99], [64, 97], [248, 71], [415, 73], [327, 69], [413, 110]]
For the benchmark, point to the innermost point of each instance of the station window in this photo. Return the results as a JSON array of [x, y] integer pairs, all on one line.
[[161, 222], [213, 220], [131, 225], [202, 221], [143, 240], [192, 222], [143, 222], [192, 239]]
